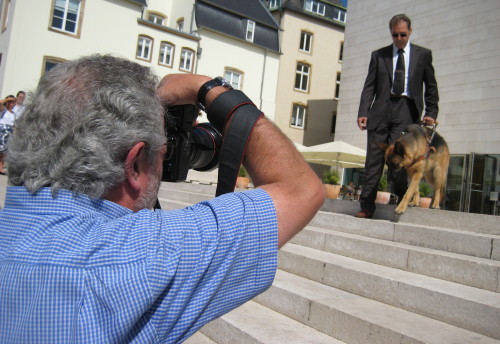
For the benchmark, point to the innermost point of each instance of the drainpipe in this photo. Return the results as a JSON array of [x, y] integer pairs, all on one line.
[[262, 78]]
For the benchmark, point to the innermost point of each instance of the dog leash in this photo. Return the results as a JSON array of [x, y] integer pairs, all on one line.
[[428, 147]]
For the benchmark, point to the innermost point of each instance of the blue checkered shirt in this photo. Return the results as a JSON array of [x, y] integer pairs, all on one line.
[[79, 270]]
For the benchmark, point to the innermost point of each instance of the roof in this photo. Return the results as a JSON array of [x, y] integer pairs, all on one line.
[[230, 17], [251, 9]]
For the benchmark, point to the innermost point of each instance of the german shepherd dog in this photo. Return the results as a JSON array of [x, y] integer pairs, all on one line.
[[422, 154]]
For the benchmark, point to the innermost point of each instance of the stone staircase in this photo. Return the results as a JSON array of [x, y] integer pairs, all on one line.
[[426, 276]]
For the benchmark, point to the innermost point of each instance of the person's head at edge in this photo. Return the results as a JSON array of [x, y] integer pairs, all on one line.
[[400, 28], [9, 102], [93, 126], [20, 96]]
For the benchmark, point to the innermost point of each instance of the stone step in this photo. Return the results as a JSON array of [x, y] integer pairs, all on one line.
[[252, 323], [471, 271], [449, 240], [470, 308], [358, 320], [199, 338], [480, 223]]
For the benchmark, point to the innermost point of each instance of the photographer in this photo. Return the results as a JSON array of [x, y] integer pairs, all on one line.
[[82, 256]]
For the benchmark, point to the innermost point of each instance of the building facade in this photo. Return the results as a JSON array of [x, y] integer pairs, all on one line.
[[310, 68], [465, 39], [161, 34]]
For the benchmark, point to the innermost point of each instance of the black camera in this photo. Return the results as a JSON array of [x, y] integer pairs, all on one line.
[[188, 147]]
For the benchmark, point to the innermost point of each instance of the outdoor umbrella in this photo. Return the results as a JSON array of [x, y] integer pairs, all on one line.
[[337, 153]]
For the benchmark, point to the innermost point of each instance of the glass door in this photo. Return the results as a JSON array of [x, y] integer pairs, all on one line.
[[482, 171], [456, 183]]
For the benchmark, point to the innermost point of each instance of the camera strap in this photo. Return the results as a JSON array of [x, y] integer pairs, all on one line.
[[236, 105]]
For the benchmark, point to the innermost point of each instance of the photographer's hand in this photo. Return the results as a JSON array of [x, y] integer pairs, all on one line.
[[179, 89]]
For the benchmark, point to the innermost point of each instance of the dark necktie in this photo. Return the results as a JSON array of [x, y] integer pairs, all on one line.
[[399, 74]]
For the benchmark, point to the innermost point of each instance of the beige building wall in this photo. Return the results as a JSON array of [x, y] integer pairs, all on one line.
[[324, 62], [465, 39]]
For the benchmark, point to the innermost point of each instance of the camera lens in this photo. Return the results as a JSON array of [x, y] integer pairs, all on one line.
[[206, 143]]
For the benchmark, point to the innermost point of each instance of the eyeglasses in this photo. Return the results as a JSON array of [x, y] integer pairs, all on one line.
[[395, 35]]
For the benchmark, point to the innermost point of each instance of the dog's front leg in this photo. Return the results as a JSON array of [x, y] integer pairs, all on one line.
[[410, 193]]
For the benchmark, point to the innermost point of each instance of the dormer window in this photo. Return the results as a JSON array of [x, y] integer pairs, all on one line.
[[339, 14], [250, 30], [315, 7], [155, 18]]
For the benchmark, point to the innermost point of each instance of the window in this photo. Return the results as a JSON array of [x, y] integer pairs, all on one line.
[[180, 24], [341, 51], [337, 87], [315, 7], [66, 15], [50, 62], [302, 77], [334, 123], [144, 48], [339, 14], [305, 41], [250, 30], [274, 3], [156, 18], [234, 78], [298, 116], [166, 54], [186, 60]]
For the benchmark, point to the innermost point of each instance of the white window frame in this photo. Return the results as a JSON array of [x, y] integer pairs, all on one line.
[[274, 4], [250, 30], [162, 57], [180, 24], [187, 60], [337, 85], [339, 15], [64, 19], [303, 73], [298, 118], [144, 48], [315, 7], [156, 18], [234, 78], [305, 41]]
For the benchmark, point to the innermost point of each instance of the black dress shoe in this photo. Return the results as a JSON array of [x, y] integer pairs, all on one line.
[[364, 214]]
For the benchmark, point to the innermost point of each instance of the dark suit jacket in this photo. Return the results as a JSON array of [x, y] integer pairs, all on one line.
[[378, 84]]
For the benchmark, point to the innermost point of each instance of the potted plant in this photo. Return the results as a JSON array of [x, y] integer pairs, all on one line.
[[243, 180], [331, 183], [425, 191], [383, 197]]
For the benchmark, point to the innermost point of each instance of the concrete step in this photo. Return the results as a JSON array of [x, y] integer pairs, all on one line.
[[252, 323], [449, 240], [199, 338], [480, 223], [355, 319], [470, 308], [471, 271]]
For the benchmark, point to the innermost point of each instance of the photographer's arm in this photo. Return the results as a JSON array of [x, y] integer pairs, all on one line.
[[271, 160]]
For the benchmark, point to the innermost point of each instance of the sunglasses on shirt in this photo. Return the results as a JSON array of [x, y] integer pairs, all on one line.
[[395, 35]]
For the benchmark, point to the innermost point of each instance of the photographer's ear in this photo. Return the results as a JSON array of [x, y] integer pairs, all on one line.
[[136, 166]]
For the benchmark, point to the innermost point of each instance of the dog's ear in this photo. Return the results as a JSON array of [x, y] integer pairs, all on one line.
[[399, 149], [382, 146]]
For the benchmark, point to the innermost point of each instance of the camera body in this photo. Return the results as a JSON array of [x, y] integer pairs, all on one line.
[[188, 147]]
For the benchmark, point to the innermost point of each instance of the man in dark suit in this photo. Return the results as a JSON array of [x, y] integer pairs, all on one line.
[[393, 97]]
